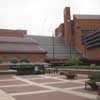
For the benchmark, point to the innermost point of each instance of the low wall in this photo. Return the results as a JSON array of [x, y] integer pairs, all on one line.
[[4, 67]]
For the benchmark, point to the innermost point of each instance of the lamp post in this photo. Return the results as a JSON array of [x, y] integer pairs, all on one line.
[[70, 37], [53, 45], [70, 50]]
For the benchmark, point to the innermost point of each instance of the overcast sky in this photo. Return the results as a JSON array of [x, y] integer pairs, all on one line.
[[41, 17]]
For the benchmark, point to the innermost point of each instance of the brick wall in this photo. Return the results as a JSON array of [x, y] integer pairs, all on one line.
[[93, 53], [13, 33], [72, 33], [31, 57], [59, 32], [67, 26], [85, 24], [3, 67]]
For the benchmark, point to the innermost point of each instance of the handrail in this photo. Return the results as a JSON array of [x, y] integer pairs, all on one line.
[[77, 71]]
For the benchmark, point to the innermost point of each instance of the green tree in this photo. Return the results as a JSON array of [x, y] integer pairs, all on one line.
[[24, 60], [74, 61]]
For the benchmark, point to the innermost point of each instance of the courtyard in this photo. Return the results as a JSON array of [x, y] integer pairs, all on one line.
[[44, 87]]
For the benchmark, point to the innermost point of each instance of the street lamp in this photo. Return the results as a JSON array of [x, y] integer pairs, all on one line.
[[53, 35], [70, 37]]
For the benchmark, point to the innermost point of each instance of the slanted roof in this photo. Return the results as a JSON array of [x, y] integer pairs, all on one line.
[[87, 16], [11, 47], [17, 40], [60, 49], [19, 45], [92, 40], [13, 33], [87, 31]]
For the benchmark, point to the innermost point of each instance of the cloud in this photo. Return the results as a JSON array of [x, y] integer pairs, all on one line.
[[41, 17]]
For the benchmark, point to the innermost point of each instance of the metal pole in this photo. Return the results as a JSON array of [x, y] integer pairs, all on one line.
[[70, 50], [70, 38], [53, 46]]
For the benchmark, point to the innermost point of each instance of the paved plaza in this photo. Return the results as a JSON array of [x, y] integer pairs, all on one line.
[[43, 87]]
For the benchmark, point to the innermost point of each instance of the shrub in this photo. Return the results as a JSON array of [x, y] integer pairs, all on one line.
[[14, 60], [0, 61], [74, 61], [56, 65], [70, 75], [84, 61], [25, 71], [92, 84], [24, 60], [93, 78], [29, 69]]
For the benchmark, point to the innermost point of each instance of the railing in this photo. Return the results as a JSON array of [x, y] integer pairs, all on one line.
[[75, 71]]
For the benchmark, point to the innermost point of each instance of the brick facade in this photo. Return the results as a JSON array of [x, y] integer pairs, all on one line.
[[67, 26], [73, 33], [79, 24], [18, 46], [12, 33], [59, 32], [31, 57]]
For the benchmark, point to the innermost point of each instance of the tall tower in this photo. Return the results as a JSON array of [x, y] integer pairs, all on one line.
[[67, 26]]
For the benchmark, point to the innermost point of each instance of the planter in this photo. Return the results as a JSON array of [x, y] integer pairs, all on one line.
[[94, 80], [92, 84], [70, 76]]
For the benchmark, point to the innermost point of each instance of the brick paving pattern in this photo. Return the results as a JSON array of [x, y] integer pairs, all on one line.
[[65, 85], [44, 87], [22, 89], [51, 96]]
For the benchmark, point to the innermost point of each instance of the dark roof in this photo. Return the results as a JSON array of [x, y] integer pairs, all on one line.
[[92, 40], [17, 44], [45, 44], [87, 31], [87, 16], [12, 47], [60, 49], [17, 39], [93, 33]]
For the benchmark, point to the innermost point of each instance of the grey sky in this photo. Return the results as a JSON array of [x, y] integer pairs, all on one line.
[[41, 17]]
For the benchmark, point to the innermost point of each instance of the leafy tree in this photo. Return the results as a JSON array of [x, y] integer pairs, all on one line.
[[14, 60], [74, 61], [24, 60], [0, 61]]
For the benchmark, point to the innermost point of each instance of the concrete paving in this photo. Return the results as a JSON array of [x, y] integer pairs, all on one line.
[[44, 87]]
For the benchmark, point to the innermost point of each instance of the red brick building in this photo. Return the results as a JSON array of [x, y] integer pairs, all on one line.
[[60, 30], [77, 31], [16, 44]]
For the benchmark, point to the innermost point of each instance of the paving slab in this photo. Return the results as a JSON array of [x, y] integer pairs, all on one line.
[[45, 80], [5, 77], [3, 83], [22, 89], [31, 76], [90, 91], [50, 96], [38, 87], [65, 85], [5, 96]]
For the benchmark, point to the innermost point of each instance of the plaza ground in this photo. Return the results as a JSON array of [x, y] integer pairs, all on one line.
[[44, 87]]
